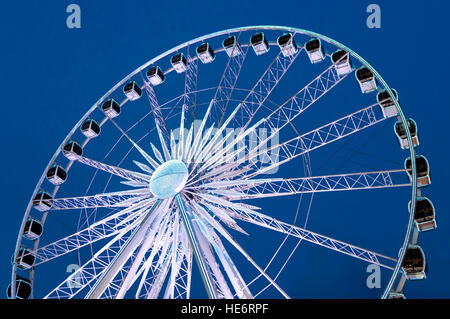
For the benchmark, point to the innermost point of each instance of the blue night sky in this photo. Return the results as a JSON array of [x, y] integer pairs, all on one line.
[[51, 75]]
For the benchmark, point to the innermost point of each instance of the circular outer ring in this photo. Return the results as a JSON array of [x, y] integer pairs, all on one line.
[[410, 224]]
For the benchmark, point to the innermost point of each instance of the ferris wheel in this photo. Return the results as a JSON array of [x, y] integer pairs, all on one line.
[[170, 184]]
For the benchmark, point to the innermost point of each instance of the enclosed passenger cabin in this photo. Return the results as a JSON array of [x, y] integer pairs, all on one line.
[[422, 168], [25, 258], [231, 46], [259, 43], [179, 63], [287, 44], [396, 295], [414, 264], [111, 108], [23, 289], [132, 91], [342, 62], [72, 150], [56, 175], [400, 131], [366, 79], [33, 229], [205, 53], [424, 215], [315, 51], [90, 128], [387, 104], [155, 75], [42, 201]]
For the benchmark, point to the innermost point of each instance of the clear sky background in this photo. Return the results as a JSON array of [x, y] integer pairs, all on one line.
[[50, 75]]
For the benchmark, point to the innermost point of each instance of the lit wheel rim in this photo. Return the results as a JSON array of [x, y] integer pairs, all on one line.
[[257, 97]]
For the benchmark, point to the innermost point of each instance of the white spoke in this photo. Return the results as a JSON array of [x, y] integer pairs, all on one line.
[[147, 243], [156, 109], [116, 199], [324, 241], [127, 174], [230, 239], [107, 227], [90, 271], [319, 137], [262, 188], [126, 251]]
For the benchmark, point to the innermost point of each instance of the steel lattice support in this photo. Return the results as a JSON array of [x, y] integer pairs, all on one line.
[[324, 241], [357, 181], [106, 227], [227, 85]]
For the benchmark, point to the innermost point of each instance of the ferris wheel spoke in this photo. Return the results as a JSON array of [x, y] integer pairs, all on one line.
[[205, 241], [182, 283], [153, 262], [190, 85], [116, 199], [231, 240], [299, 102], [126, 174], [156, 109], [230, 269], [238, 283], [326, 134], [181, 265], [315, 238], [156, 246], [265, 85], [160, 271], [144, 154], [90, 271], [227, 83], [154, 214], [147, 244], [215, 154], [121, 221], [262, 188]]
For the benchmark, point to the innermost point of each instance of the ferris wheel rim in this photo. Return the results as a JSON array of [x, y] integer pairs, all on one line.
[[410, 224]]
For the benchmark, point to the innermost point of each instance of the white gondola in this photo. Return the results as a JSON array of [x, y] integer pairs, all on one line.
[[72, 150], [259, 43], [23, 289], [387, 104], [179, 62], [25, 258], [414, 264], [155, 75], [424, 215], [205, 53], [400, 131], [366, 79], [396, 295], [287, 44], [111, 108], [42, 201], [231, 46], [342, 62], [422, 168], [56, 175], [33, 229], [90, 128], [315, 51], [132, 91]]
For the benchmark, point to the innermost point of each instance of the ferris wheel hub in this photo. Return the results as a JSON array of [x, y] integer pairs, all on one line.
[[169, 179]]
